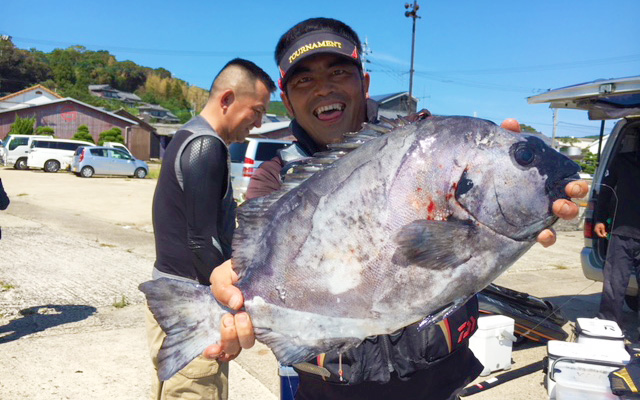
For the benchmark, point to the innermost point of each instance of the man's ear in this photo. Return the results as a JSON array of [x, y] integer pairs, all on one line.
[[366, 79], [287, 104], [227, 98]]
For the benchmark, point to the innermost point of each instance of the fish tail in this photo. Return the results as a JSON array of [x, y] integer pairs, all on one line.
[[190, 317]]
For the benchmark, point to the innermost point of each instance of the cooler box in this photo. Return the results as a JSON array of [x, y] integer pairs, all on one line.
[[578, 371], [492, 343], [289, 381], [600, 332]]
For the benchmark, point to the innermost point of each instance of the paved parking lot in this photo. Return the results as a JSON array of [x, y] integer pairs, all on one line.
[[72, 249]]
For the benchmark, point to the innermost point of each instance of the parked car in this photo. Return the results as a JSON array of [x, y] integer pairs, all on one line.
[[246, 157], [603, 99], [15, 149], [117, 145], [52, 154], [101, 160]]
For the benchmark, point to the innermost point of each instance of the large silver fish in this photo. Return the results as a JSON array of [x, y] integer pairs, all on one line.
[[408, 224]]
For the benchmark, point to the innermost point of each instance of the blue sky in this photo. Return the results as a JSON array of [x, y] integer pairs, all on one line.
[[472, 57]]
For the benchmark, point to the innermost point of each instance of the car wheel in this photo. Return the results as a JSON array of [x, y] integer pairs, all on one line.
[[632, 302], [21, 164], [140, 173], [51, 166], [86, 172]]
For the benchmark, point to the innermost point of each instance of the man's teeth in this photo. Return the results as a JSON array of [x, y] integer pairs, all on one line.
[[330, 107]]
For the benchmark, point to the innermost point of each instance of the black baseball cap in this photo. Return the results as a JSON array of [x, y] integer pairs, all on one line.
[[317, 42]]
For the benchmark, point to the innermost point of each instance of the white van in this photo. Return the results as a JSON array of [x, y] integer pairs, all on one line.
[[246, 157], [16, 149], [53, 154]]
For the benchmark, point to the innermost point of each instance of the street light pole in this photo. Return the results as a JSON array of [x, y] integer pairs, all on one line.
[[413, 13]]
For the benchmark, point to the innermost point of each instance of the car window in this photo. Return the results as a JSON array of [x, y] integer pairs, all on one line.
[[266, 151], [237, 151], [15, 142], [98, 152], [119, 154], [70, 146], [40, 144]]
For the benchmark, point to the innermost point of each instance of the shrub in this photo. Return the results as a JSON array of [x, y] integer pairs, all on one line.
[[112, 135], [22, 126], [83, 134], [44, 130]]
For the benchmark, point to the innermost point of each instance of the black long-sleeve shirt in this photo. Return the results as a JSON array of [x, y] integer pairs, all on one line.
[[193, 213], [619, 197]]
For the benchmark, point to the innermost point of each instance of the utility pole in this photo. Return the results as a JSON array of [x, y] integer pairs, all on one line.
[[412, 13], [366, 50], [555, 128]]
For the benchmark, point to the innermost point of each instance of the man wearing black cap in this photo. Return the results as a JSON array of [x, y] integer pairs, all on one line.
[[325, 88]]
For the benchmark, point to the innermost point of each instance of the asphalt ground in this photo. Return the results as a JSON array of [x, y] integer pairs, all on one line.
[[74, 250]]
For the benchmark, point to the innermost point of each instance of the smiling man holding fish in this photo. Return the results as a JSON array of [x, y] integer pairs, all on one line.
[[326, 90]]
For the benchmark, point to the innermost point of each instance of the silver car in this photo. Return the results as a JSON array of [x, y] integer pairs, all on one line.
[[100, 160]]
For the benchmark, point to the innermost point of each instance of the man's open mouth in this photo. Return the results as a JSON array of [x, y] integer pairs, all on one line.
[[329, 112]]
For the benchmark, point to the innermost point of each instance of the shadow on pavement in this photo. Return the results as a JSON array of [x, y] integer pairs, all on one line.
[[577, 306], [38, 318]]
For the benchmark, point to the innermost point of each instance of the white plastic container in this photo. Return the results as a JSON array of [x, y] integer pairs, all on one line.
[[600, 332], [492, 343], [581, 371]]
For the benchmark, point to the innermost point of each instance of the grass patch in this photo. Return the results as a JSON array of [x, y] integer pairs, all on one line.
[[6, 286], [122, 303], [559, 266], [22, 194], [154, 173], [107, 245]]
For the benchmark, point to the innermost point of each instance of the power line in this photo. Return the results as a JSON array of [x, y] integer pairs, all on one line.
[[163, 52], [545, 67]]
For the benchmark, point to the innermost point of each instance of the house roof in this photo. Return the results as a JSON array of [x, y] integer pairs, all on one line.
[[384, 98], [28, 90], [72, 100], [33, 102], [101, 87], [124, 113], [152, 107], [127, 95]]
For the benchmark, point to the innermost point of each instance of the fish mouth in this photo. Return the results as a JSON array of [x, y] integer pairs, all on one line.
[[329, 112], [538, 222]]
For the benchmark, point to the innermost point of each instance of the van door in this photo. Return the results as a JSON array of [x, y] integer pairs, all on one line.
[[17, 148]]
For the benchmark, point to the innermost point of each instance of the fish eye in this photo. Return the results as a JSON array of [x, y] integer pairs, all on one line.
[[524, 154]]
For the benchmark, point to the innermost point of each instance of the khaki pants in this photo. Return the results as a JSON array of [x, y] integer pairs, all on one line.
[[200, 379]]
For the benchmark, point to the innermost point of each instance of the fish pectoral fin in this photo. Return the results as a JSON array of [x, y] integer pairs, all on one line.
[[443, 313], [431, 244], [290, 351]]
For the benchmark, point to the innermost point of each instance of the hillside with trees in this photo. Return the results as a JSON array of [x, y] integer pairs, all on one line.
[[70, 71]]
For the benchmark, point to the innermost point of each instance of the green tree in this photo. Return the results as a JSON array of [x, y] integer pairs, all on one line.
[[20, 68], [589, 162], [44, 130], [568, 140], [22, 126], [527, 128], [83, 134], [112, 135], [278, 108]]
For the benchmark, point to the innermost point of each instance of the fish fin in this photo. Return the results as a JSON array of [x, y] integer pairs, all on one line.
[[443, 313], [190, 317], [429, 243], [288, 352]]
